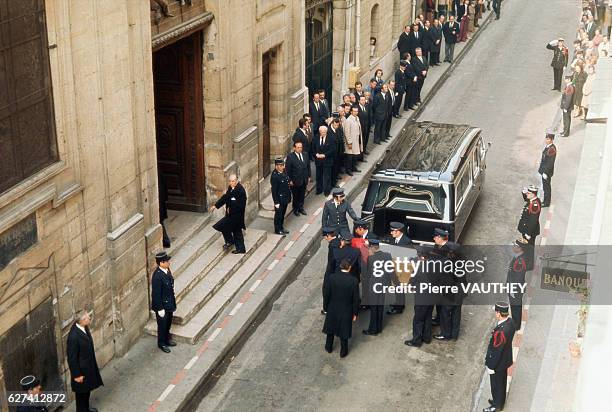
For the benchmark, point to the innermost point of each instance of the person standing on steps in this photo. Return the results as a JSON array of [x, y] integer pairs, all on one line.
[[163, 300], [298, 170], [231, 225], [281, 195]]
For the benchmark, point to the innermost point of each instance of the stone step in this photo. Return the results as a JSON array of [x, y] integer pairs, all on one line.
[[193, 300], [221, 296], [191, 244]]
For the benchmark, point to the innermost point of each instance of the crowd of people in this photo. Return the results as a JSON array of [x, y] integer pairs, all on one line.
[[588, 47]]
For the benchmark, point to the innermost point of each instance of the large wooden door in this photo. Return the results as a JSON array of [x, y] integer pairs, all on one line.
[[177, 73], [265, 157]]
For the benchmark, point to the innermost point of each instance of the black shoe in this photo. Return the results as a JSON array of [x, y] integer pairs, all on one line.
[[277, 232], [413, 107], [239, 252], [435, 322], [296, 212], [343, 353], [378, 143], [227, 246], [490, 402], [490, 409], [165, 349], [318, 193], [349, 173], [323, 312], [93, 410], [326, 194], [328, 349], [365, 152], [367, 332], [441, 337], [285, 231], [427, 341], [397, 116], [394, 311], [171, 343], [166, 244], [303, 212], [356, 170], [412, 343]]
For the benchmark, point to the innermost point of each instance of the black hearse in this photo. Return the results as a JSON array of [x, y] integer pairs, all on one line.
[[430, 177]]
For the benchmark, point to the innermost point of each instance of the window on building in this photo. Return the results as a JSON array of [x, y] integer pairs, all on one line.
[[27, 126]]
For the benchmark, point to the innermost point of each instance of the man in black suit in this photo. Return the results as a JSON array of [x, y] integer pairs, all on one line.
[[392, 97], [358, 90], [341, 304], [301, 135], [364, 119], [298, 170], [428, 41], [380, 111], [499, 356], [411, 84], [421, 66], [163, 301], [324, 151], [335, 133], [436, 38], [403, 43], [450, 31], [421, 320], [318, 114], [415, 39], [81, 355], [400, 87], [234, 199], [326, 108]]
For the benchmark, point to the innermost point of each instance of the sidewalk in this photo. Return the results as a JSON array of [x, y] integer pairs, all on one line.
[[147, 379]]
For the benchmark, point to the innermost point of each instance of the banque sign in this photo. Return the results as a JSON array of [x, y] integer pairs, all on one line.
[[562, 280]]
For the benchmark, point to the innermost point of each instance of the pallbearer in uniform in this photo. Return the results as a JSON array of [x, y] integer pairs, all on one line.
[[547, 165], [281, 195], [335, 211], [398, 238], [341, 304], [376, 301], [421, 321], [346, 252], [499, 357], [516, 274], [163, 300], [529, 223]]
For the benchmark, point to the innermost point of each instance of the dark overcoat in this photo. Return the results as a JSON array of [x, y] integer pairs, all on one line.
[[341, 302], [234, 201], [82, 360]]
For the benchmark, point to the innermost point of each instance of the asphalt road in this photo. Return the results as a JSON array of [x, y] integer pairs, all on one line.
[[503, 86]]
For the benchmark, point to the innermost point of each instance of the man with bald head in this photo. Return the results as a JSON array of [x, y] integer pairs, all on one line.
[[324, 153], [231, 225]]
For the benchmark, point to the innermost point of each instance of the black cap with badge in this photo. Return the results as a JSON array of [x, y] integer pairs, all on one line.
[[29, 382], [502, 307]]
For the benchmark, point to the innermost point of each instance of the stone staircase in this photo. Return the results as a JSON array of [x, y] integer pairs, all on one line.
[[207, 278]]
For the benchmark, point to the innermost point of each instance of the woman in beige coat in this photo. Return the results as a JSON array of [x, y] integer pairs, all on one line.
[[587, 90], [352, 140]]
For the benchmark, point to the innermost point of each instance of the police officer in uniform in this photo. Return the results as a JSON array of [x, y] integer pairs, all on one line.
[[516, 274], [335, 211], [346, 252], [281, 195], [163, 301], [376, 301], [499, 357], [31, 385], [529, 223], [547, 165], [398, 238]]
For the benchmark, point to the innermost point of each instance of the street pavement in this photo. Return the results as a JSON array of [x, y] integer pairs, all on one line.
[[503, 86]]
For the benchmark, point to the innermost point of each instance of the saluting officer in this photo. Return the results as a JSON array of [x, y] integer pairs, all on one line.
[[547, 165], [163, 301], [499, 357], [516, 274], [529, 223], [335, 211], [281, 195]]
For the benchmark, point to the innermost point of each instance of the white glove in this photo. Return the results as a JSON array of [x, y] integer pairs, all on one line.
[[161, 313], [276, 206], [490, 371], [564, 110], [545, 176], [527, 237]]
